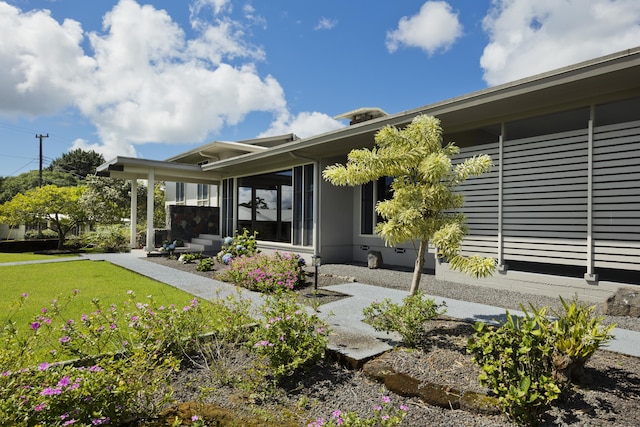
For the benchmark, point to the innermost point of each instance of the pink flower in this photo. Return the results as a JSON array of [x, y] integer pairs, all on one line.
[[404, 407], [386, 399], [35, 326], [39, 407], [64, 340], [64, 381], [43, 366]]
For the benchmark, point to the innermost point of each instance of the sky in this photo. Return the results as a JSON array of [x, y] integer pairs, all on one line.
[[154, 79]]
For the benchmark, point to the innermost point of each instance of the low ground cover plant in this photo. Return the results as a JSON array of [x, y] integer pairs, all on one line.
[[383, 415], [407, 319], [189, 258], [266, 273], [529, 362]]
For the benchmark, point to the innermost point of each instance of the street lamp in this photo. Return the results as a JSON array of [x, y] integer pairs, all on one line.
[[316, 260]]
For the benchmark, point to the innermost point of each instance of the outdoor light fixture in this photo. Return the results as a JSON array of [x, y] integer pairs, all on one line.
[[316, 260]]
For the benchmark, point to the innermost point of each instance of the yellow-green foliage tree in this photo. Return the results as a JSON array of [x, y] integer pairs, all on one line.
[[59, 206], [424, 206]]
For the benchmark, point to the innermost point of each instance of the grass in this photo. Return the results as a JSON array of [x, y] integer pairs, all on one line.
[[29, 256], [93, 279]]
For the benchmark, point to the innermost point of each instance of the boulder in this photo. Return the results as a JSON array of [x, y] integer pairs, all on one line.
[[374, 259], [625, 302]]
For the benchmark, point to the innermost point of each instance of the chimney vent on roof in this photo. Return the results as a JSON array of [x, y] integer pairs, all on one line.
[[362, 115]]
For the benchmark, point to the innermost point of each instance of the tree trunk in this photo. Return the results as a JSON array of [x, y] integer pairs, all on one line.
[[417, 271]]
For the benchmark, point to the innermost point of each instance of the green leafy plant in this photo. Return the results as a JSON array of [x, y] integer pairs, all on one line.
[[189, 258], [576, 335], [529, 362], [238, 245], [205, 264], [266, 273], [407, 319], [383, 415], [288, 336], [108, 238], [516, 363]]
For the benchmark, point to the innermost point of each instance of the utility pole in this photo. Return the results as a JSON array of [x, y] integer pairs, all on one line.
[[40, 136]]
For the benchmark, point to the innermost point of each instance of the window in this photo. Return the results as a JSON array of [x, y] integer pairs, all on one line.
[[203, 195], [372, 193], [278, 205], [180, 200]]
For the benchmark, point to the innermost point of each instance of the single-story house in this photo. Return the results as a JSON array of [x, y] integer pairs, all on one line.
[[560, 211]]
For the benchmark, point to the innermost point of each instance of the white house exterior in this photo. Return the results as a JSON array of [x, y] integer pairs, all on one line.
[[560, 211]]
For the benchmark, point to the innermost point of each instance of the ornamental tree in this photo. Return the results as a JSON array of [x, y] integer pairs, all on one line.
[[424, 206], [58, 205]]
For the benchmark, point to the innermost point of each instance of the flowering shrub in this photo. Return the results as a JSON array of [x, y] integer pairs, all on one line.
[[266, 273], [188, 258], [241, 244], [205, 264], [125, 357], [169, 247], [289, 336], [382, 416]]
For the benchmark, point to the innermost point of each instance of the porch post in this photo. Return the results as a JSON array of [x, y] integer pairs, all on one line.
[[134, 211], [150, 185]]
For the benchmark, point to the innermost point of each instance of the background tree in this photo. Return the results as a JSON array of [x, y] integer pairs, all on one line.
[[108, 201], [24, 182], [77, 162], [424, 206], [58, 205]]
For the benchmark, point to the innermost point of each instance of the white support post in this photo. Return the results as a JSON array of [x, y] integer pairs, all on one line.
[[150, 236], [134, 214]]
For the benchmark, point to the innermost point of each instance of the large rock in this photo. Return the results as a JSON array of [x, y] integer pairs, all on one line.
[[374, 259], [625, 302]]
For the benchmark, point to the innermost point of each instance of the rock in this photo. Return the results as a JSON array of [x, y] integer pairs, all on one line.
[[625, 302], [374, 259]]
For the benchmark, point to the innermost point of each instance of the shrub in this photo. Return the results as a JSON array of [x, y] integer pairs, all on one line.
[[189, 258], [266, 273], [288, 336], [45, 233], [529, 362], [237, 246], [108, 238], [407, 319], [205, 264]]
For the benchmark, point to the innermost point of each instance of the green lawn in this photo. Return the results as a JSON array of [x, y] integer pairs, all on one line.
[[29, 256], [48, 281]]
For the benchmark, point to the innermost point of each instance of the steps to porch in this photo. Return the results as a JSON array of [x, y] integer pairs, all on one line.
[[204, 243]]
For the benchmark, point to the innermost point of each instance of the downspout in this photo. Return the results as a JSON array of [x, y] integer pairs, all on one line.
[[502, 267], [316, 200], [590, 276], [134, 214], [150, 186]]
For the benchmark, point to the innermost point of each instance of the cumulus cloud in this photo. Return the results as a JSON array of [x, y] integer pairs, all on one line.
[[435, 27], [303, 124], [530, 37], [144, 81]]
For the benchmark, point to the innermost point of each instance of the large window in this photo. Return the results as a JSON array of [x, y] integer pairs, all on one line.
[[203, 195], [372, 193], [277, 205], [180, 199]]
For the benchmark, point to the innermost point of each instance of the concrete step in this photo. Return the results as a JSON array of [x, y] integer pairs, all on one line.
[[202, 241], [211, 237], [198, 247]]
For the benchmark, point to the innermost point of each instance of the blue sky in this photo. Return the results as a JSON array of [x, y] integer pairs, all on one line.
[[153, 79]]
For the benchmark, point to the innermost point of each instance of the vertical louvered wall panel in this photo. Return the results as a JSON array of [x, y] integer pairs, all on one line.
[[616, 196], [545, 184], [481, 204]]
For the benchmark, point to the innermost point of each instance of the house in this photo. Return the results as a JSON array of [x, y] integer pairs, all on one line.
[[560, 211]]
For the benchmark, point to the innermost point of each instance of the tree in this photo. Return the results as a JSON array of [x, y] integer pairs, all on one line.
[[24, 182], [78, 162], [58, 205], [108, 201], [424, 206]]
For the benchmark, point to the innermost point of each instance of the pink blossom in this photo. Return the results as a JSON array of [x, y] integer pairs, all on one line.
[[39, 407], [35, 326]]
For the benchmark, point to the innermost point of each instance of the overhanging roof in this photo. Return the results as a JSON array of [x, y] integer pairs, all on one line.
[[599, 80], [133, 168]]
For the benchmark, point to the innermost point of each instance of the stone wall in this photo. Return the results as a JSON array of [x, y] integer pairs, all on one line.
[[188, 222]]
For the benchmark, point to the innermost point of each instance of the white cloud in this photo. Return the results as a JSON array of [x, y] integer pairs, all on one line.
[[325, 24], [435, 27], [303, 124], [529, 37], [145, 82]]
